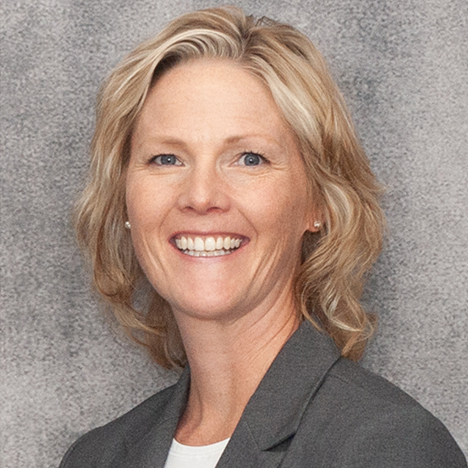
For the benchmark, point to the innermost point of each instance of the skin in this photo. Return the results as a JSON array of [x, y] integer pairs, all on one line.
[[235, 312]]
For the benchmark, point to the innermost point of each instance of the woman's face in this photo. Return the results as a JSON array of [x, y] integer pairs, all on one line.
[[216, 192]]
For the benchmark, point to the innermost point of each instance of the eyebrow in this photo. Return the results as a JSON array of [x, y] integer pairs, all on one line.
[[174, 141]]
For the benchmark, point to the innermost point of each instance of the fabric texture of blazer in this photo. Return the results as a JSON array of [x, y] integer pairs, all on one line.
[[312, 409]]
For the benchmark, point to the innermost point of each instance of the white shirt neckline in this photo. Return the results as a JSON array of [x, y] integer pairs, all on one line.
[[195, 456]]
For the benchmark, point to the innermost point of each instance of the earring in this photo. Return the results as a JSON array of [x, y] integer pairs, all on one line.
[[128, 225], [317, 224]]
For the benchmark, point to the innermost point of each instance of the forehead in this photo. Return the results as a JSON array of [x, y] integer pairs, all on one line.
[[208, 97]]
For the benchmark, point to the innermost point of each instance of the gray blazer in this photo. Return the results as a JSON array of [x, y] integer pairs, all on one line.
[[312, 409]]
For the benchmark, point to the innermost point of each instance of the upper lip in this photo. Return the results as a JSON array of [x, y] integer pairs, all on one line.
[[179, 234]]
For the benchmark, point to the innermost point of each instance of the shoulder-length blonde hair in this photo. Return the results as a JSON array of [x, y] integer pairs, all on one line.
[[334, 261]]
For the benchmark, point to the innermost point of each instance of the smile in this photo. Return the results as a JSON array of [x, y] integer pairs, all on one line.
[[208, 246]]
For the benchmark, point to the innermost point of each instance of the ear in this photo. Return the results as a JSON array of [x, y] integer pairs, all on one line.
[[315, 221]]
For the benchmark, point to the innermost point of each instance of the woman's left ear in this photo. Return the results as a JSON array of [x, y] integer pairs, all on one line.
[[317, 225], [315, 222]]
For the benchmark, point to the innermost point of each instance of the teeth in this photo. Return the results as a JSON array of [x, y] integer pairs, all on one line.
[[210, 244], [216, 253], [190, 244], [199, 244], [210, 247]]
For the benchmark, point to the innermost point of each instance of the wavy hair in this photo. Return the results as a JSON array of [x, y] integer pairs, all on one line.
[[330, 280]]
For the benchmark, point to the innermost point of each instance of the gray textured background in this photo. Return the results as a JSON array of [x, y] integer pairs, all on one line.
[[403, 68]]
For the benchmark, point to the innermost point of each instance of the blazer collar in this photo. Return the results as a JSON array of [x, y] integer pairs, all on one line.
[[271, 416], [276, 408]]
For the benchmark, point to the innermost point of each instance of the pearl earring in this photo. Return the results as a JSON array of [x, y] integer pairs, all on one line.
[[127, 225], [317, 224]]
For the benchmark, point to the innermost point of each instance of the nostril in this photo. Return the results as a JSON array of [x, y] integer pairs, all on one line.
[[217, 203]]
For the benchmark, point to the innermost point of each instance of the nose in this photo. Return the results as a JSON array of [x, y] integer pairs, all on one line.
[[204, 191]]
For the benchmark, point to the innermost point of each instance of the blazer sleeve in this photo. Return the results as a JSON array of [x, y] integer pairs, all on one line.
[[413, 438]]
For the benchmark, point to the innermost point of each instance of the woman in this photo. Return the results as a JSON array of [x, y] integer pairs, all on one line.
[[227, 174]]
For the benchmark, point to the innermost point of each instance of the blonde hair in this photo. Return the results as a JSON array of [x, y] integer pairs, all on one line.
[[334, 261]]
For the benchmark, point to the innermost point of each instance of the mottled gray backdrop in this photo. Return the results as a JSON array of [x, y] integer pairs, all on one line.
[[403, 67]]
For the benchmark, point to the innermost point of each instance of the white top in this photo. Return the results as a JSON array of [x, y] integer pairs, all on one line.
[[188, 456]]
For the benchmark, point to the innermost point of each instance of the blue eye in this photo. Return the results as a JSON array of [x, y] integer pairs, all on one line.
[[251, 159], [166, 160]]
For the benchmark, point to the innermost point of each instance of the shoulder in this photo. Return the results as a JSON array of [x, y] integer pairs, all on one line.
[[100, 446], [367, 421], [356, 384]]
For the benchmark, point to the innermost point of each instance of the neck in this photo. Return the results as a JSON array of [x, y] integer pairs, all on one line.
[[228, 359]]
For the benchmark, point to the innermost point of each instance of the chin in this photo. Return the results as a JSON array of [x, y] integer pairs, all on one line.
[[204, 307]]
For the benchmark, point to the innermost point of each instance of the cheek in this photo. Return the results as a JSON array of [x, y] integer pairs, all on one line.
[[281, 210], [146, 214], [143, 200]]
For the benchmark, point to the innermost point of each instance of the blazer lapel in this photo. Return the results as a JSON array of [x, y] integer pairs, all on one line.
[[151, 451], [273, 413]]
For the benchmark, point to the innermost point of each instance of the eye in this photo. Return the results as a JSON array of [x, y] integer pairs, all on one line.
[[251, 159], [166, 160]]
